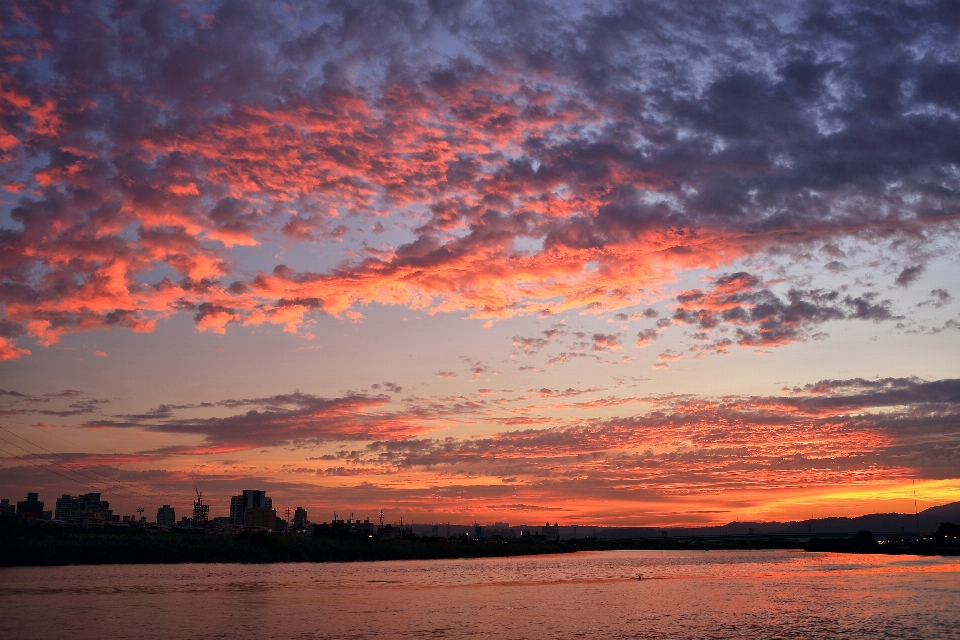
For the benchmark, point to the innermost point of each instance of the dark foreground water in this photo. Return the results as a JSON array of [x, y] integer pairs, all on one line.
[[683, 594]]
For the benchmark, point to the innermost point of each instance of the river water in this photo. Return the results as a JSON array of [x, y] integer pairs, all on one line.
[[682, 594]]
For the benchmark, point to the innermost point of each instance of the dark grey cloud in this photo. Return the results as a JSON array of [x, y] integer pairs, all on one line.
[[646, 336], [81, 407], [66, 403], [909, 275], [606, 342], [529, 346], [717, 129], [830, 431], [297, 418], [866, 423], [762, 318], [938, 298]]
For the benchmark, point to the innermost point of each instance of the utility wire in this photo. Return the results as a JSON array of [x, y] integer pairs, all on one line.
[[49, 462], [132, 487], [114, 488], [41, 466]]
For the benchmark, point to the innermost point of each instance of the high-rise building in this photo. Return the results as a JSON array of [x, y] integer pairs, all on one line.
[[167, 516], [201, 512], [300, 518], [236, 510], [30, 508], [85, 510], [260, 519], [246, 501]]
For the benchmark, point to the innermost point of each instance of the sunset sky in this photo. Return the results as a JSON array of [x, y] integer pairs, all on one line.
[[621, 263]]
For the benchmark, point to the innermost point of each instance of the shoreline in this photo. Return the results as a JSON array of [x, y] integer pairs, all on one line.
[[42, 547], [134, 546]]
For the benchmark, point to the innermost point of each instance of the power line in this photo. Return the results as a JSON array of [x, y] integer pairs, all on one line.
[[114, 488], [87, 484], [44, 467], [133, 488]]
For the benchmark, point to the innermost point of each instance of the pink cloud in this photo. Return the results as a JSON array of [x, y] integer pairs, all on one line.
[[528, 189], [9, 351]]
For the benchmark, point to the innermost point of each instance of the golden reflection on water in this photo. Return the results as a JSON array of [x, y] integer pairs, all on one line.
[[682, 594]]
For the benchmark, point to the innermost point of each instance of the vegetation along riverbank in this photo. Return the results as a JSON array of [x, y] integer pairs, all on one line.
[[50, 545]]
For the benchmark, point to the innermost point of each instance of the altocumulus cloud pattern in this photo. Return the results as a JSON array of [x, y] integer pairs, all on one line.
[[684, 182]]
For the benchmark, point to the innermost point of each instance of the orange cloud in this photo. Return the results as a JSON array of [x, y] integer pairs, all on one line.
[[527, 190], [10, 351]]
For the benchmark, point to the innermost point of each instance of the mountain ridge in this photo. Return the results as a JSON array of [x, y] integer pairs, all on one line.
[[925, 521]]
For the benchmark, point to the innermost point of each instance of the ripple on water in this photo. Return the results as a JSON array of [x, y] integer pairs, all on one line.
[[683, 594]]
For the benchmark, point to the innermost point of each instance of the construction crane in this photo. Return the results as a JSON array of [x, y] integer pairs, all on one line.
[[201, 511]]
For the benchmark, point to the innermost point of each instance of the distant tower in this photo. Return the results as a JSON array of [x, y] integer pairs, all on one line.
[[300, 518], [381, 518], [201, 512], [166, 516], [140, 510]]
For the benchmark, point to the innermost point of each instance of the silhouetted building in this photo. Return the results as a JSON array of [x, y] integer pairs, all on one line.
[[300, 518], [501, 529], [443, 530], [201, 512], [249, 499], [31, 508], [166, 516], [7, 509], [86, 510], [260, 518], [393, 531], [236, 510], [551, 534]]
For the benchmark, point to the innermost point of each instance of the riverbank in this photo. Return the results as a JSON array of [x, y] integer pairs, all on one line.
[[945, 542], [53, 547], [48, 545]]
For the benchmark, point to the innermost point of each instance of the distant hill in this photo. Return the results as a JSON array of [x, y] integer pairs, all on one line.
[[926, 521]]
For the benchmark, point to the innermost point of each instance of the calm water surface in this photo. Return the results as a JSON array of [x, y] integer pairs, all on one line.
[[683, 594]]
